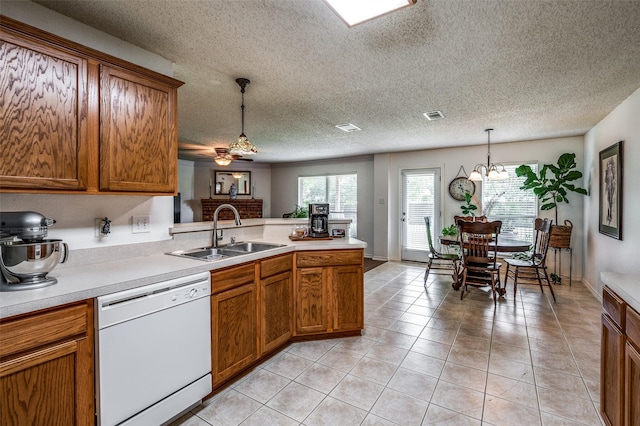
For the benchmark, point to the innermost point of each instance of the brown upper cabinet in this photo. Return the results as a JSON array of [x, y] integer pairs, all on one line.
[[80, 121]]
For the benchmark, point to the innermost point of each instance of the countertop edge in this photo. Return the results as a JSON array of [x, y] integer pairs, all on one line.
[[119, 275], [627, 286]]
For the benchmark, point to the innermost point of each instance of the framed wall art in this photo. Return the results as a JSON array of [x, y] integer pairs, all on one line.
[[611, 168]]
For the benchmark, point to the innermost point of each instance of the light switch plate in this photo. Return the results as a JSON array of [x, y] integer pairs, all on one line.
[[141, 224]]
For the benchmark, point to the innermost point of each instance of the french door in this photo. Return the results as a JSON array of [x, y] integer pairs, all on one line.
[[420, 198]]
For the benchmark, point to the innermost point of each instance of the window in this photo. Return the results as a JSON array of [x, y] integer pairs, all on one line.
[[340, 191], [516, 208]]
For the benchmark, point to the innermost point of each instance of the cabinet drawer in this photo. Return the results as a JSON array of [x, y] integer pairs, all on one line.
[[329, 258], [614, 306], [276, 265], [232, 277], [633, 327], [34, 331]]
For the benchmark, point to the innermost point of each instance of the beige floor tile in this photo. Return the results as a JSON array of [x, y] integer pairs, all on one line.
[[373, 420], [464, 376], [189, 419], [287, 365], [357, 392], [551, 420], [262, 385], [412, 383], [470, 358], [423, 364], [320, 377], [334, 412], [557, 381], [502, 412], [443, 336], [227, 408], [551, 361], [576, 409], [340, 359], [311, 350], [296, 401], [374, 370], [398, 339], [357, 344], [387, 353], [268, 416], [431, 348], [407, 328], [400, 408], [504, 366], [440, 416], [473, 343], [512, 390], [457, 398]]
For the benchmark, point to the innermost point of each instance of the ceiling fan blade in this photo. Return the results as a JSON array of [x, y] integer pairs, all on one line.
[[243, 159]]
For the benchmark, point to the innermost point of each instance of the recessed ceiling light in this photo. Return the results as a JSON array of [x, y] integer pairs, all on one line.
[[434, 115], [354, 12], [348, 127]]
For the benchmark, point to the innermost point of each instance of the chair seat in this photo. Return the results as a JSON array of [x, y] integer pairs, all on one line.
[[521, 263]]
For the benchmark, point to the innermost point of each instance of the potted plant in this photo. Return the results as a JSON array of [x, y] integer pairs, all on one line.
[[469, 208], [299, 212], [553, 190]]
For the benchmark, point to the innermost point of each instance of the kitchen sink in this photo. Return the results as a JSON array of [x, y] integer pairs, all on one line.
[[222, 252]]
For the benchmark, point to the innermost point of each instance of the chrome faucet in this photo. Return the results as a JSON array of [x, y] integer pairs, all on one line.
[[217, 238]]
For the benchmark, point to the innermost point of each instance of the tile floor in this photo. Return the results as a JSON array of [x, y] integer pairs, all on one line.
[[429, 358]]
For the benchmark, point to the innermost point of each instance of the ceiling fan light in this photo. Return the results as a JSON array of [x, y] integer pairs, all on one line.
[[237, 175], [222, 160]]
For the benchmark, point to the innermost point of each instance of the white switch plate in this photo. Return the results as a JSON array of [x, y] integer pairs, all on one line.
[[141, 224]]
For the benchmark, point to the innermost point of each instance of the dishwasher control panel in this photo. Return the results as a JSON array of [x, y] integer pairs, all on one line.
[[126, 305]]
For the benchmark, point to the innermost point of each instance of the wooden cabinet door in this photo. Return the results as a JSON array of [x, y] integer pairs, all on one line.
[[234, 331], [611, 373], [43, 135], [347, 289], [312, 309], [46, 368], [276, 308], [138, 133], [632, 385]]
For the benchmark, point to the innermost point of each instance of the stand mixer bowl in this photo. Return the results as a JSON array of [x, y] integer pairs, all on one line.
[[26, 264]]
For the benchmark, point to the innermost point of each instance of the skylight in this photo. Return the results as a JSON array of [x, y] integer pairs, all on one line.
[[354, 12]]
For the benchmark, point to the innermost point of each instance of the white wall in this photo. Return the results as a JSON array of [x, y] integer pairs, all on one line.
[[260, 182], [603, 253], [450, 160], [186, 182], [76, 214], [284, 189]]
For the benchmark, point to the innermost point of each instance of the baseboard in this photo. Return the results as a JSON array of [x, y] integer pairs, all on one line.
[[382, 259]]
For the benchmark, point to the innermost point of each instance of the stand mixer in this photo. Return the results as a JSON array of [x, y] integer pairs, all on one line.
[[26, 257]]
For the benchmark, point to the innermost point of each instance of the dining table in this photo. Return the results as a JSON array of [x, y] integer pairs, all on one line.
[[506, 244]]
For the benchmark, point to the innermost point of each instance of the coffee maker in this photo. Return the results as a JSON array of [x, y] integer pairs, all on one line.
[[318, 220]]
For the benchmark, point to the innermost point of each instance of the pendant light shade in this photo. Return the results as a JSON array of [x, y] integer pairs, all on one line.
[[242, 146], [490, 169]]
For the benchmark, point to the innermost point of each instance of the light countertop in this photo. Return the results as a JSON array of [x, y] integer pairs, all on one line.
[[627, 286], [89, 281]]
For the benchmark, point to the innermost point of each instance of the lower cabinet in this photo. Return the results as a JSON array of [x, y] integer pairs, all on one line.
[[47, 367], [234, 321], [620, 362], [276, 302], [329, 291]]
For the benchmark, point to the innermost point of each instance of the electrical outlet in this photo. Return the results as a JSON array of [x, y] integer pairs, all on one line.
[[141, 224]]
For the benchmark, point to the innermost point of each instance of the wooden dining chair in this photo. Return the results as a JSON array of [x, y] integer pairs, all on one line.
[[478, 242], [456, 218], [439, 260], [534, 269]]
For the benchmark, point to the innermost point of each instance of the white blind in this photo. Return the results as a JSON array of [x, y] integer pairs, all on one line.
[[420, 201], [516, 208], [340, 191]]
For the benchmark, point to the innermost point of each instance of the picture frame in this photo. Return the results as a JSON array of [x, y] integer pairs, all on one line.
[[611, 179], [224, 179]]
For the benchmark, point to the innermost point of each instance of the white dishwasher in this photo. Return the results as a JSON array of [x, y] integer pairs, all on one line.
[[153, 351]]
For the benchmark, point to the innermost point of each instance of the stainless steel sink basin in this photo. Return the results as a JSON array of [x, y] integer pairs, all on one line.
[[211, 254], [251, 247]]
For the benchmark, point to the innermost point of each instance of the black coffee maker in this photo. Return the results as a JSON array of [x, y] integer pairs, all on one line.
[[318, 220]]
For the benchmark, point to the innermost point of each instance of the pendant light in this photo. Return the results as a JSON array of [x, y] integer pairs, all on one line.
[[491, 170], [242, 146]]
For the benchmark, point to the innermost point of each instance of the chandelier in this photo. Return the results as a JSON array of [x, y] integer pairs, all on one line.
[[490, 169], [242, 146]]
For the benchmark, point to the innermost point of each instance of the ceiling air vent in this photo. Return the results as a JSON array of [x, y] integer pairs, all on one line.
[[348, 127], [434, 115]]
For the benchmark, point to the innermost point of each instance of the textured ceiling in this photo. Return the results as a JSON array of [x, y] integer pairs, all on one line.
[[530, 69]]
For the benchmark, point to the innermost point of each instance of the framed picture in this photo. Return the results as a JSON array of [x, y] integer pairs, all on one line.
[[611, 167], [224, 180]]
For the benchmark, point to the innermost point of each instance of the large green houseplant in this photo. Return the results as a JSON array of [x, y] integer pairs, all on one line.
[[553, 190]]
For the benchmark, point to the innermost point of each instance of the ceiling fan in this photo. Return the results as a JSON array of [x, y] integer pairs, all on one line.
[[221, 155]]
